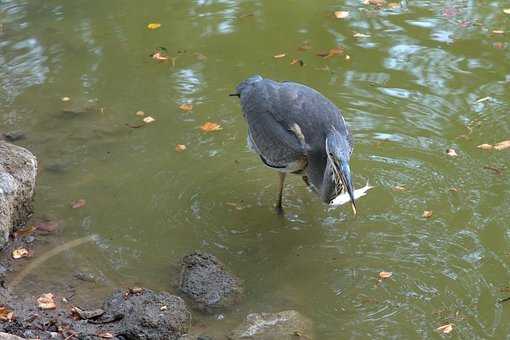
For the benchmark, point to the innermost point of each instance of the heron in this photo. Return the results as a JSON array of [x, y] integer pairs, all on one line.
[[295, 129]]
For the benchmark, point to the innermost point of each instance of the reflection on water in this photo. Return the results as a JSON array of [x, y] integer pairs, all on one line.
[[410, 90]]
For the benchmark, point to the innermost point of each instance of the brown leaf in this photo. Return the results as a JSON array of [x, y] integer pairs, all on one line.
[[25, 231], [499, 45], [497, 171], [47, 226], [385, 275], [451, 153], [393, 5], [279, 56], [140, 113], [160, 56], [180, 147], [427, 214], [297, 61], [18, 253], [453, 189], [445, 328], [46, 301], [377, 3], [78, 203], [6, 314], [341, 14], [502, 145], [186, 107], [335, 51], [305, 46], [485, 146], [210, 126]]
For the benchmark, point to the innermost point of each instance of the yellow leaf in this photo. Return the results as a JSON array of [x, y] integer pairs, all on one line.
[[19, 253], [399, 188], [445, 328], [149, 119], [65, 99], [186, 107], [341, 14], [280, 55], [210, 126], [498, 32], [385, 275], [140, 113], [502, 145], [46, 301], [360, 35], [180, 147], [153, 25], [393, 5], [506, 10], [485, 146], [427, 214]]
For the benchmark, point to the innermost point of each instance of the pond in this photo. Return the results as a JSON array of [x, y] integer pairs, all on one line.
[[413, 79]]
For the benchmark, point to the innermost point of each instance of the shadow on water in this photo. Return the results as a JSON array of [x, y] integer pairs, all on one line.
[[410, 89]]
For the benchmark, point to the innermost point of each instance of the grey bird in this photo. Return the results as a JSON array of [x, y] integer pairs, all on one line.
[[295, 129]]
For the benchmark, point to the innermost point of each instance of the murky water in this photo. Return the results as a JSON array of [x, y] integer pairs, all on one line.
[[409, 92]]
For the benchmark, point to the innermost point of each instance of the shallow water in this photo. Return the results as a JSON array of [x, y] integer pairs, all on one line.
[[409, 91]]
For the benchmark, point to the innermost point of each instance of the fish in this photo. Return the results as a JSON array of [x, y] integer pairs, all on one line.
[[344, 198]]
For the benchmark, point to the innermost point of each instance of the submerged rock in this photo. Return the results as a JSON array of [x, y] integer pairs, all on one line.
[[6, 336], [205, 281], [285, 325], [144, 314], [18, 169]]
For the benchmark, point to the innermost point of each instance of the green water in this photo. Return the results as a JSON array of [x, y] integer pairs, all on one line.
[[408, 91]]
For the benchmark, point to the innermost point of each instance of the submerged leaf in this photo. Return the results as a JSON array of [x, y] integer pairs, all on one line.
[[427, 214], [180, 147], [210, 126], [46, 301], [78, 203], [20, 252], [502, 145], [297, 61], [394, 5], [341, 14], [451, 153], [335, 51], [186, 107]]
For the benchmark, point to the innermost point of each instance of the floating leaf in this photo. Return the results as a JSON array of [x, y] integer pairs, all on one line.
[[506, 10], [427, 214], [180, 147], [20, 252], [341, 14], [140, 113], [399, 188], [305, 46], [393, 5], [210, 126], [200, 56], [445, 328], [360, 35], [454, 189], [65, 99], [385, 275], [335, 51], [498, 32], [154, 25], [159, 56], [279, 56], [6, 314], [46, 301], [78, 203], [482, 99], [163, 308], [377, 3], [494, 169], [485, 146], [451, 153], [186, 107], [149, 119], [297, 61], [502, 145]]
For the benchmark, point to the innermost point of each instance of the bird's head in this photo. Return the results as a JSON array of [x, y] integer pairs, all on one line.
[[338, 152]]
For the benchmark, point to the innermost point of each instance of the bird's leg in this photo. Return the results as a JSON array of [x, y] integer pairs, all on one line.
[[305, 179], [281, 177]]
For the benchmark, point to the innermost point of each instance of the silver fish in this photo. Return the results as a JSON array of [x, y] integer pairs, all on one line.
[[344, 198]]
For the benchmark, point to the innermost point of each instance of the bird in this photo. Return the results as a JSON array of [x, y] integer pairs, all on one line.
[[295, 129]]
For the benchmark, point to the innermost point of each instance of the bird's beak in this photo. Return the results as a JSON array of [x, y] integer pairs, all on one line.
[[344, 172]]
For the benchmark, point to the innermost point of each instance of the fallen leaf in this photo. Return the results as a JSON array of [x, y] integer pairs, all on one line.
[[210, 126], [180, 147], [399, 188], [148, 120], [163, 308], [483, 99], [24, 232], [65, 99], [186, 107], [105, 335], [46, 301], [385, 275], [502, 145], [154, 25], [393, 5], [341, 14], [6, 314], [377, 3], [486, 146], [200, 56], [499, 45], [305, 46], [20, 252], [140, 113], [159, 56], [445, 328], [427, 214], [335, 51], [497, 171], [498, 32], [78, 203], [279, 56], [453, 189], [360, 35], [451, 153], [506, 10], [297, 61]]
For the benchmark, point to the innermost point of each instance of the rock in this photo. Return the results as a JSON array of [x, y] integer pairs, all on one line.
[[7, 336], [285, 325], [205, 281], [13, 136], [148, 315], [18, 169]]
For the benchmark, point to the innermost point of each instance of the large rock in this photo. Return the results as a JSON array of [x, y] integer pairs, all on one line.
[[18, 169], [205, 281], [286, 325], [7, 336], [144, 314]]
